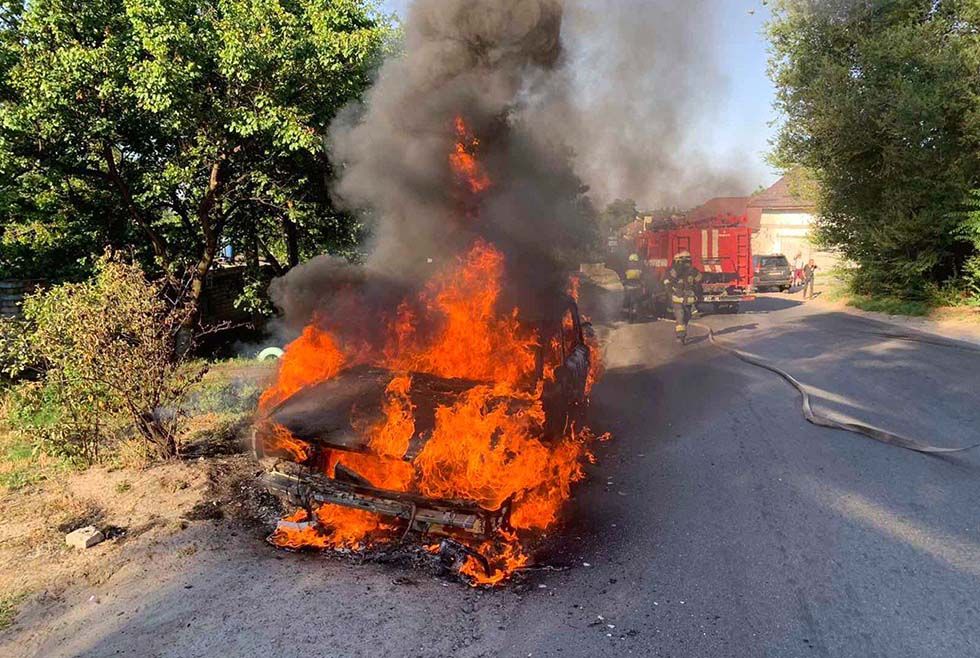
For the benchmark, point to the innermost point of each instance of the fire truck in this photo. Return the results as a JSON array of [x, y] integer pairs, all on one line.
[[720, 247]]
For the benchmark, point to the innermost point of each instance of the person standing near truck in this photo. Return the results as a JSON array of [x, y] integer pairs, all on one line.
[[809, 276], [684, 287]]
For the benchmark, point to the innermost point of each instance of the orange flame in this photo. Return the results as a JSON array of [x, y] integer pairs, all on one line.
[[575, 287], [474, 342], [487, 446], [463, 160], [336, 527], [313, 357]]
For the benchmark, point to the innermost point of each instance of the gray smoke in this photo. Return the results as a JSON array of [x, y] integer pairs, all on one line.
[[472, 60], [639, 88], [558, 92]]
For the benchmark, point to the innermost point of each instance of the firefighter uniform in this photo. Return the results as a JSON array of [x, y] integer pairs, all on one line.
[[684, 286], [633, 271], [633, 284]]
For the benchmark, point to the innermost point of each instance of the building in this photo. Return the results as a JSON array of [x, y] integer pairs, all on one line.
[[781, 223]]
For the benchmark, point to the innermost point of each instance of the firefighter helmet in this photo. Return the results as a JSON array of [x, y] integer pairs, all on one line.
[[634, 258], [683, 255]]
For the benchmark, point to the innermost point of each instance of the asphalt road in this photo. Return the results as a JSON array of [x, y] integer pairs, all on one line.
[[717, 522]]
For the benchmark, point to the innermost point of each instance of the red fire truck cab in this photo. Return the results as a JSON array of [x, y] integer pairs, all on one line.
[[720, 247]]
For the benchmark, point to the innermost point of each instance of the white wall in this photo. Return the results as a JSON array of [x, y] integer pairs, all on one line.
[[787, 233]]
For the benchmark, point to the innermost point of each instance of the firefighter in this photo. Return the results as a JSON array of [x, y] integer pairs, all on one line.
[[633, 284], [684, 287]]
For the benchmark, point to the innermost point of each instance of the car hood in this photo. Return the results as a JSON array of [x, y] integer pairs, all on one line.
[[324, 414]]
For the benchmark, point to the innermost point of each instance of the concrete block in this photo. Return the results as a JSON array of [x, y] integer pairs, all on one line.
[[86, 537]]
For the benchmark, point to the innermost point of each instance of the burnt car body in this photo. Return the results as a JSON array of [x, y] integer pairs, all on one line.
[[322, 416]]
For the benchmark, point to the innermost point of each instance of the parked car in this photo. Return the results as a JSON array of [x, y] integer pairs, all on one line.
[[772, 272]]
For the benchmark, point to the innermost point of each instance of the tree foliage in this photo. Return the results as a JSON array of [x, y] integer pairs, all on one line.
[[616, 215], [970, 230], [175, 127], [880, 105]]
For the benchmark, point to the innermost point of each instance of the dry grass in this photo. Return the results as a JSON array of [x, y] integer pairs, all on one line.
[[956, 314]]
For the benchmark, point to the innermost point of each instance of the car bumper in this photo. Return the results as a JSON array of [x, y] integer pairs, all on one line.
[[726, 299], [304, 488], [781, 282]]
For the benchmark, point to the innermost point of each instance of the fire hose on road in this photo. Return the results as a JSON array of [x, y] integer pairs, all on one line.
[[825, 421]]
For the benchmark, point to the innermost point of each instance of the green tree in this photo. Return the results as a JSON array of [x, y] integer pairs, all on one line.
[[879, 101], [970, 231], [176, 127], [616, 215]]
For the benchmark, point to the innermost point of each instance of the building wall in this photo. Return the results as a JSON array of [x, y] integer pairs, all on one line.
[[788, 233], [12, 293]]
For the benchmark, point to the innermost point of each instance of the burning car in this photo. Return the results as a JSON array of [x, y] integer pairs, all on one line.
[[469, 433], [442, 394], [330, 417]]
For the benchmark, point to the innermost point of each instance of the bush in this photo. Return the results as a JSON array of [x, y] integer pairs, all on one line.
[[23, 461], [36, 410], [855, 291], [970, 233], [107, 349]]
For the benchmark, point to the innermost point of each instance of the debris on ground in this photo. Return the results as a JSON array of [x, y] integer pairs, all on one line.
[[86, 537]]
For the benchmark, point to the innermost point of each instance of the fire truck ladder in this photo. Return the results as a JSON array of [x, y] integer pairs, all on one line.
[[742, 264]]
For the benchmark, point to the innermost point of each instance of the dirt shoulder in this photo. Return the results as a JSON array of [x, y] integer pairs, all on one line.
[[962, 324], [163, 514]]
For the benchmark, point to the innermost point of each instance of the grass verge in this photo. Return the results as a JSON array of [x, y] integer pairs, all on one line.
[[889, 305], [22, 465], [8, 609]]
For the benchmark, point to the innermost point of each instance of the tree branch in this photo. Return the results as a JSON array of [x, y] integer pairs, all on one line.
[[157, 240]]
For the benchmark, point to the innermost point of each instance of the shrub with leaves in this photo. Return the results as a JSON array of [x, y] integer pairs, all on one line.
[[15, 354], [107, 349], [970, 232]]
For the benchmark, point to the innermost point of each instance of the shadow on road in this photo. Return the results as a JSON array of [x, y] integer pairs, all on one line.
[[731, 330], [769, 305]]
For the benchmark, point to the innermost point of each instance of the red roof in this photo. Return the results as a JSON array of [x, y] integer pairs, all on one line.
[[777, 197], [732, 206]]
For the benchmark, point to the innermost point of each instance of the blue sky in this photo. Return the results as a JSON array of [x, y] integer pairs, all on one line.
[[740, 50]]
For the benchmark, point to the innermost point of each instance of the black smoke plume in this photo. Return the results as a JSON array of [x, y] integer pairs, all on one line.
[[555, 92]]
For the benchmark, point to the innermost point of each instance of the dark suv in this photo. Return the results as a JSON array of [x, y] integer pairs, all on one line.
[[772, 272]]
